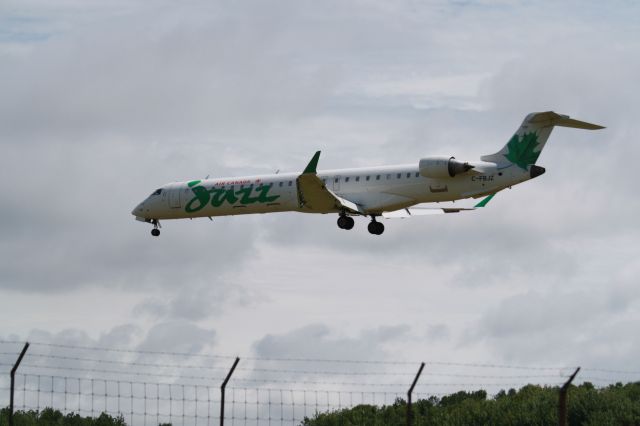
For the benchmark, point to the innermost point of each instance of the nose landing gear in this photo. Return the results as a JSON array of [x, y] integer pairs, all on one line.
[[375, 228], [345, 222], [155, 231]]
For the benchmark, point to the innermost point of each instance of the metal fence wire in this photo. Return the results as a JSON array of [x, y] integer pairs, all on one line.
[[158, 388], [141, 403]]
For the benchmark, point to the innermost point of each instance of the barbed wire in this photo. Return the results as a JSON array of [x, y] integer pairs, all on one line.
[[117, 372], [207, 367], [293, 382], [256, 370], [245, 369], [117, 362], [118, 350], [604, 370], [292, 359], [476, 376]]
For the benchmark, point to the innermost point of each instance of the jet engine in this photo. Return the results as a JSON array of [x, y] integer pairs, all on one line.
[[442, 167]]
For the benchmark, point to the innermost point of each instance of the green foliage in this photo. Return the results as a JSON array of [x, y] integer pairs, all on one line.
[[521, 151], [51, 417], [532, 405]]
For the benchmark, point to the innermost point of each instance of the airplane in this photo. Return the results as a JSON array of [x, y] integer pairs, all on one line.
[[399, 191]]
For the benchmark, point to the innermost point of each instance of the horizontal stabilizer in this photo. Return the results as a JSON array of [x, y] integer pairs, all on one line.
[[420, 210], [551, 118], [577, 124]]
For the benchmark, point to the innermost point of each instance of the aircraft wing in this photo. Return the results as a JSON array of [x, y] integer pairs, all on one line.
[[419, 210], [314, 195]]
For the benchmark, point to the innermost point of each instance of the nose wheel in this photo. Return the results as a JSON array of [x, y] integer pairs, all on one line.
[[155, 231], [375, 228], [345, 222]]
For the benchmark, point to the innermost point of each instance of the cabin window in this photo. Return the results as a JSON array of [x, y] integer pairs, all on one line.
[[377, 177], [336, 180], [368, 177], [399, 175], [346, 179], [357, 178], [290, 183], [388, 176], [280, 184], [417, 174]]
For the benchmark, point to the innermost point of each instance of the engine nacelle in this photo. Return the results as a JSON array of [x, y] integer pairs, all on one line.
[[442, 167]]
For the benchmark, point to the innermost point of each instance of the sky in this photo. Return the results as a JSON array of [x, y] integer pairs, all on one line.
[[103, 102]]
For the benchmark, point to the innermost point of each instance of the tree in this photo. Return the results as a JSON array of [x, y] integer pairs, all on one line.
[[617, 404]]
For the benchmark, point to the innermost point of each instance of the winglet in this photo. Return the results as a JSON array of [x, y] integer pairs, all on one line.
[[313, 164], [484, 201]]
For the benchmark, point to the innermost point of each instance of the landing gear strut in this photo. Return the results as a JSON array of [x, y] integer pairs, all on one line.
[[155, 231], [375, 228], [345, 222]]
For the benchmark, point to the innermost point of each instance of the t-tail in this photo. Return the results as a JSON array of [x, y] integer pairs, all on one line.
[[525, 146]]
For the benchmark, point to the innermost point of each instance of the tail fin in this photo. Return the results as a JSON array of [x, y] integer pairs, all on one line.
[[524, 148]]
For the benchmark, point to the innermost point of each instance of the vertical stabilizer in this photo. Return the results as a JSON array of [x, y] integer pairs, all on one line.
[[525, 146]]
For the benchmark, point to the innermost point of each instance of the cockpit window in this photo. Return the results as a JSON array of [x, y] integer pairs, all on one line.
[[157, 192]]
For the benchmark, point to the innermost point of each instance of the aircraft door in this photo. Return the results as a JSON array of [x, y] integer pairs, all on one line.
[[174, 198], [336, 183]]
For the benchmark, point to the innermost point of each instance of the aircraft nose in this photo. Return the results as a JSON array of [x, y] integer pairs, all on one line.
[[137, 211]]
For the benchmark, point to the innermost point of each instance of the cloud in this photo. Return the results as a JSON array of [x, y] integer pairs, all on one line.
[[103, 103], [318, 341], [437, 332], [178, 336], [572, 327], [187, 76], [196, 303]]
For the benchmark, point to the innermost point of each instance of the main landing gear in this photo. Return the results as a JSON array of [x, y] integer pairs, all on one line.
[[345, 222], [375, 228], [155, 231]]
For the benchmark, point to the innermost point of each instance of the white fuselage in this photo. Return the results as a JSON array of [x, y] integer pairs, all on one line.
[[388, 191], [380, 189]]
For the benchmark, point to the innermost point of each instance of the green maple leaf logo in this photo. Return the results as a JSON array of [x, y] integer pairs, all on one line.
[[521, 150]]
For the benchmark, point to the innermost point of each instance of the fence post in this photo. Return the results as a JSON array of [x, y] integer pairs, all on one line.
[[13, 380], [562, 401], [409, 410], [224, 385]]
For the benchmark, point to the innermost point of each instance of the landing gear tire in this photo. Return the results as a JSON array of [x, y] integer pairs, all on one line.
[[375, 228], [345, 222], [155, 232], [350, 223]]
